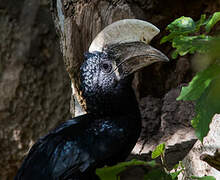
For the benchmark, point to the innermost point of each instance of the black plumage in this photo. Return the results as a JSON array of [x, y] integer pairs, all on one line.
[[104, 136], [110, 129]]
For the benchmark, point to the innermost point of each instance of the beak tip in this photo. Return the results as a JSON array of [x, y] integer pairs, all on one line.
[[163, 57], [166, 59]]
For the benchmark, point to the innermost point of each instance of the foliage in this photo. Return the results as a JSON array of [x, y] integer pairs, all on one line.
[[206, 107], [154, 170], [159, 150], [112, 173], [184, 34], [199, 83], [157, 174], [213, 20], [203, 178], [204, 89], [189, 36], [166, 175]]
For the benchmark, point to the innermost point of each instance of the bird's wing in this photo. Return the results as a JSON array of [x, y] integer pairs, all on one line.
[[58, 153]]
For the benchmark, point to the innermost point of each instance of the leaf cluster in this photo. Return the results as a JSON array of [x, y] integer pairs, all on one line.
[[154, 172], [187, 36], [204, 89]]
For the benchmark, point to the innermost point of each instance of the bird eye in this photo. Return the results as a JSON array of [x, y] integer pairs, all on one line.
[[106, 67]]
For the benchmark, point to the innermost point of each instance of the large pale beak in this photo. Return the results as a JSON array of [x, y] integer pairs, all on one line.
[[128, 42], [130, 57]]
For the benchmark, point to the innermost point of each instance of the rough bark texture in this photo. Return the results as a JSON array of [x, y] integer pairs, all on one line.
[[34, 86], [35, 90]]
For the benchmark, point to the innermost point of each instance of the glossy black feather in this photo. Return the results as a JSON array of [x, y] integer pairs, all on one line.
[[104, 136]]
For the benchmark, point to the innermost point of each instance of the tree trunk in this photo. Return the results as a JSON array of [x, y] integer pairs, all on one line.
[[34, 86]]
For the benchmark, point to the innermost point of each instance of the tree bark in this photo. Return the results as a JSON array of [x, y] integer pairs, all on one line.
[[34, 86]]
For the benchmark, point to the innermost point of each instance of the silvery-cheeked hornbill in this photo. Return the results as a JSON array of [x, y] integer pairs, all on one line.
[[110, 129]]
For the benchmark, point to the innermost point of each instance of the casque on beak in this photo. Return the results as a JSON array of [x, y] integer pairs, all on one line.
[[128, 41]]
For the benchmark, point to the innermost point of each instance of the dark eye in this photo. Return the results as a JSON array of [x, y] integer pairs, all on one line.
[[106, 67]]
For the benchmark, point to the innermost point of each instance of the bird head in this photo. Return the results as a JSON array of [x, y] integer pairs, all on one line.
[[115, 54]]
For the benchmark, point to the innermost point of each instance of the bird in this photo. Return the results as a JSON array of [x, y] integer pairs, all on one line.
[[108, 132]]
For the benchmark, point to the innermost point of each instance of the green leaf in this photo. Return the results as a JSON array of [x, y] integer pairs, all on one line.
[[157, 174], [169, 37], [199, 83], [201, 22], [175, 174], [206, 107], [179, 165], [182, 24], [176, 167], [174, 55], [151, 163], [111, 173], [214, 49], [213, 20], [190, 44], [203, 178], [159, 150]]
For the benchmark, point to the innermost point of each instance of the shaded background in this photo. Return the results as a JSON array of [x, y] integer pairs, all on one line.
[[34, 85]]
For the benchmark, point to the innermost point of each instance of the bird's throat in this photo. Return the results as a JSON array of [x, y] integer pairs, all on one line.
[[122, 102]]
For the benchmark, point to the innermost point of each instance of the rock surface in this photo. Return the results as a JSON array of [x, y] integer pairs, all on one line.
[[166, 121], [194, 165]]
